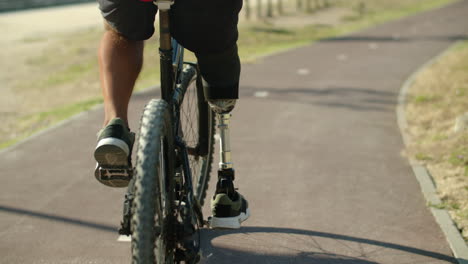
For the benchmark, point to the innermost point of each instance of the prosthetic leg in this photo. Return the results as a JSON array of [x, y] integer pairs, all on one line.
[[222, 108], [221, 73], [229, 208]]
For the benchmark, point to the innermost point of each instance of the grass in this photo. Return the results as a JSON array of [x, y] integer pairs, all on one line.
[[440, 137], [422, 156], [439, 98], [69, 74], [62, 112], [420, 99], [48, 118], [63, 77], [445, 206], [459, 156]]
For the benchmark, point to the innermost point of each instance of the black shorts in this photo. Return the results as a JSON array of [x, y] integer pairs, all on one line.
[[202, 26]]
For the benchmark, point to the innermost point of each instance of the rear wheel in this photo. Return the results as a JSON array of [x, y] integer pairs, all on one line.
[[198, 128], [153, 205]]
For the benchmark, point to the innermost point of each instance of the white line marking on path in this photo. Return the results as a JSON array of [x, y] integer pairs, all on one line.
[[261, 94], [373, 46], [342, 57], [303, 71]]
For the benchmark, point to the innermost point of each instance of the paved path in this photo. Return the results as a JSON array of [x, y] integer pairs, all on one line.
[[319, 159]]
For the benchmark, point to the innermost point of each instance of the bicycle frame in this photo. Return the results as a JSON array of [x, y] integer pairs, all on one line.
[[171, 63], [172, 55], [165, 50]]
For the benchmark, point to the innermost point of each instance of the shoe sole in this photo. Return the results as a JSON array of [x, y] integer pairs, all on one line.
[[229, 222], [111, 153]]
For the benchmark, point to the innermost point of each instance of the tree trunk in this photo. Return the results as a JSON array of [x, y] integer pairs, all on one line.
[[247, 9], [269, 8], [259, 9], [299, 5], [280, 7], [309, 6]]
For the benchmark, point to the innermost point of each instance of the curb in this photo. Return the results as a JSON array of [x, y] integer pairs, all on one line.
[[454, 238]]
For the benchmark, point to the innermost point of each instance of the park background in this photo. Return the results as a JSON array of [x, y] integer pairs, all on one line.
[[49, 72]]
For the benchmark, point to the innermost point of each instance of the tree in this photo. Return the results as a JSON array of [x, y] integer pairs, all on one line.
[[269, 8], [299, 5], [308, 6], [280, 7], [247, 9], [259, 9]]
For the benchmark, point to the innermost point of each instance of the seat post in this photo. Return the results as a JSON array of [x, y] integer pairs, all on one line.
[[165, 49]]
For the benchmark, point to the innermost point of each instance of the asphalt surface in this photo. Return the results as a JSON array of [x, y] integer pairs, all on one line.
[[316, 149]]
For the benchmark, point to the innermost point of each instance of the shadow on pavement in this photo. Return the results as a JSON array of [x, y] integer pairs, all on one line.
[[259, 243], [57, 218], [299, 246], [396, 38], [357, 99]]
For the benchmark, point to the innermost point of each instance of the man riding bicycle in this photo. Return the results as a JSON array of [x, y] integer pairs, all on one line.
[[206, 27]]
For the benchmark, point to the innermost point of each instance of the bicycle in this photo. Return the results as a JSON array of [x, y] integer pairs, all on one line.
[[162, 208]]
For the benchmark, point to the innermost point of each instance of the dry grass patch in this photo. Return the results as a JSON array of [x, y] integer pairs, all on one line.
[[437, 98]]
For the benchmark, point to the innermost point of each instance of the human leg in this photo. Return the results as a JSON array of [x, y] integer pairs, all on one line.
[[120, 62], [127, 24], [212, 34], [221, 72]]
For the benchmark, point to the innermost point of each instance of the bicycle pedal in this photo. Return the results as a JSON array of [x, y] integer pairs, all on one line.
[[117, 173], [114, 176]]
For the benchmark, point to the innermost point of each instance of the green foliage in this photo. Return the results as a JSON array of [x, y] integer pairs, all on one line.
[[425, 98], [459, 157], [445, 205], [69, 74], [43, 120], [441, 206], [440, 137], [422, 156], [462, 91]]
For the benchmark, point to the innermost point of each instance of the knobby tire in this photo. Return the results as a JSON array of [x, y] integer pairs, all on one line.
[[153, 204]]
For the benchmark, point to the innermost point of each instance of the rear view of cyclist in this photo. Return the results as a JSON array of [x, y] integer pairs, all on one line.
[[206, 27]]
